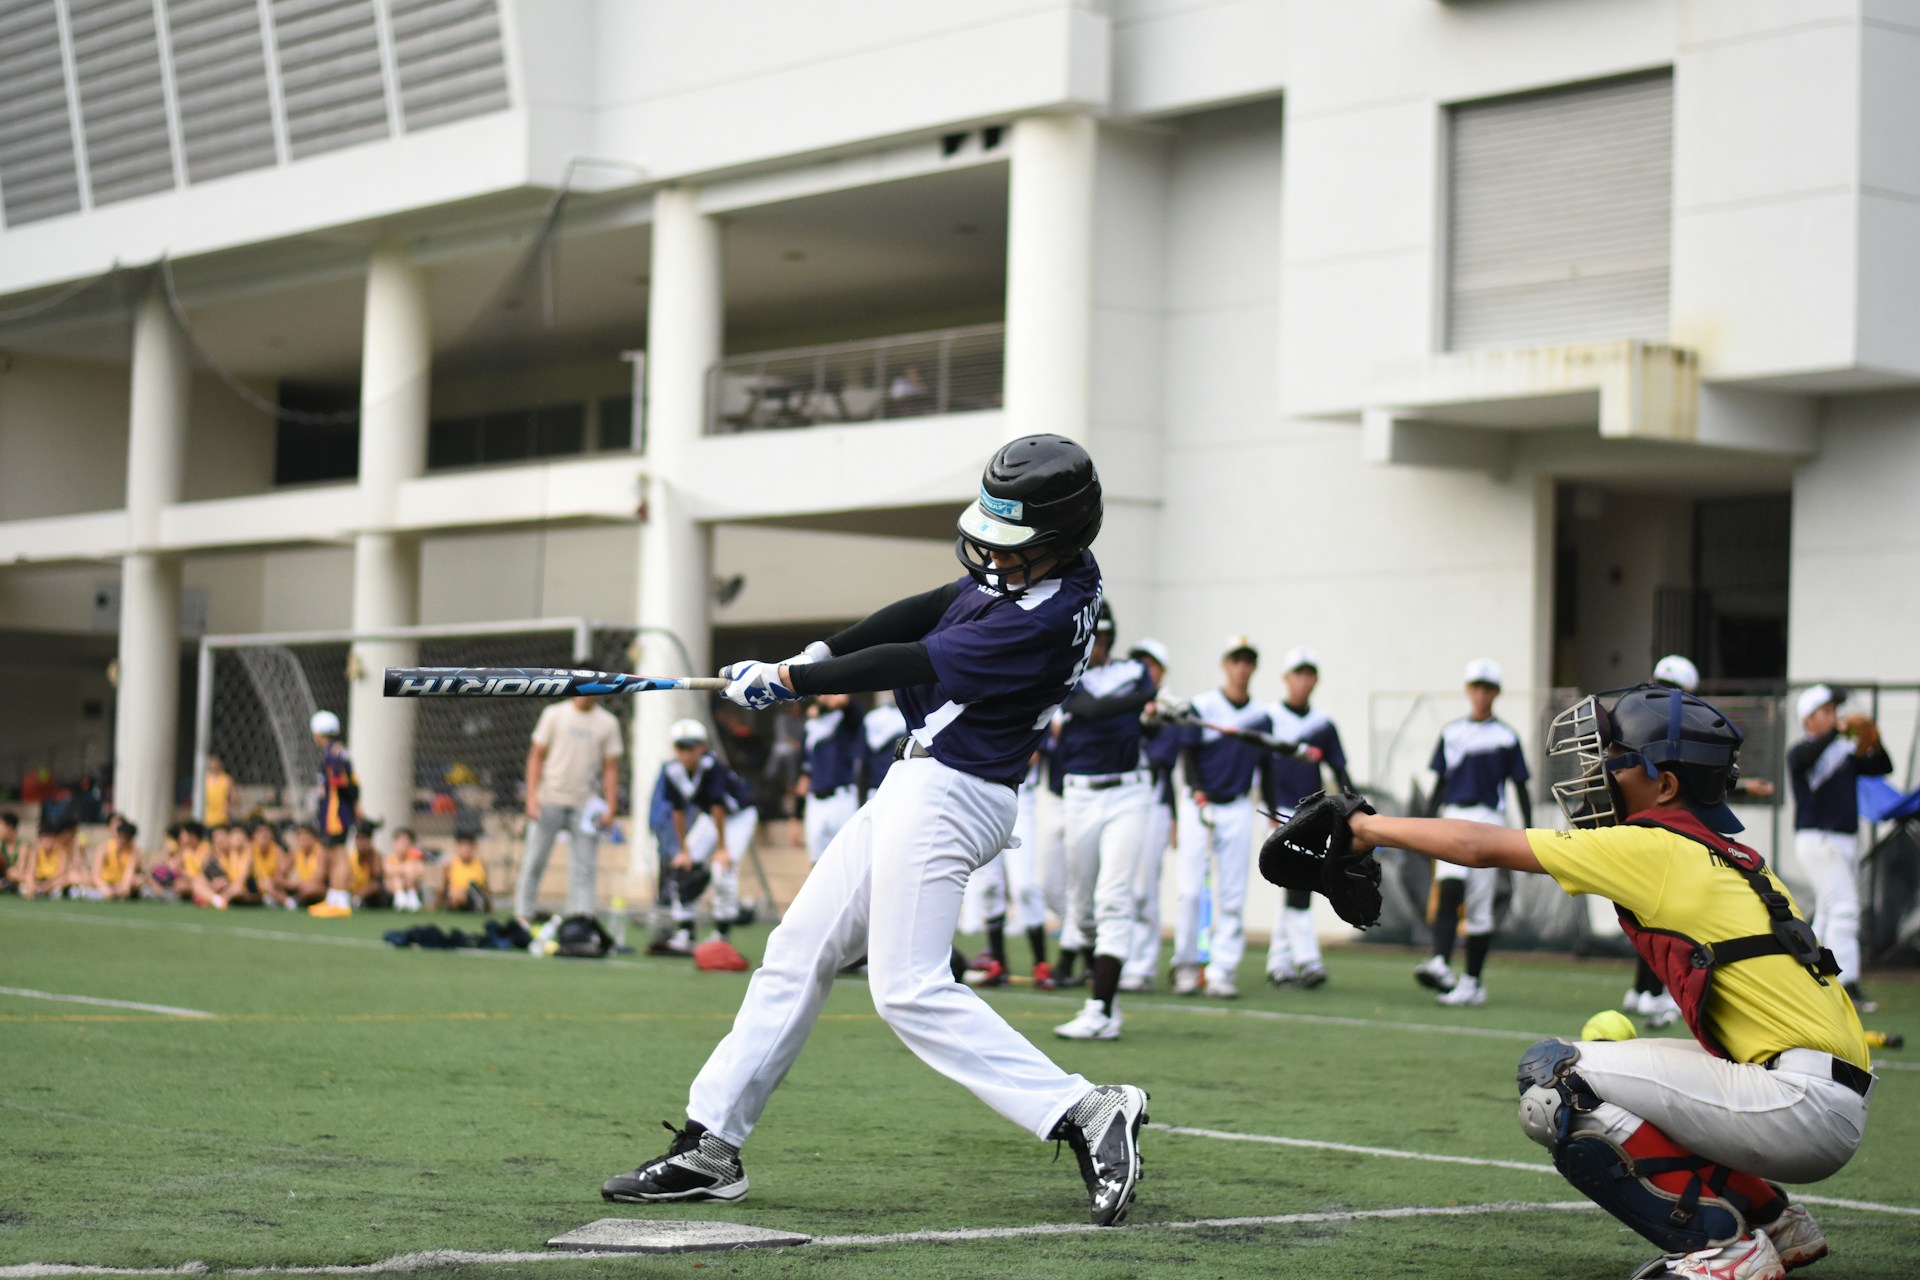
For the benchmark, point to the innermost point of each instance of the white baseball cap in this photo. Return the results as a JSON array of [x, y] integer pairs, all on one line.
[[1151, 648], [1239, 644], [325, 722], [1678, 672], [686, 733], [1485, 671], [1811, 700], [1300, 656]]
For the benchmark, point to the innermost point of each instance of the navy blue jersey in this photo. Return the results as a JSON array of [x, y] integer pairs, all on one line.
[[1220, 765], [884, 726], [1289, 779], [1161, 746], [1002, 666], [1475, 759], [1826, 771], [711, 783], [835, 746], [1104, 738]]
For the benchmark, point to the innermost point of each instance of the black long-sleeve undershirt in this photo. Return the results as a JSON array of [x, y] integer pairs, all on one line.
[[883, 650]]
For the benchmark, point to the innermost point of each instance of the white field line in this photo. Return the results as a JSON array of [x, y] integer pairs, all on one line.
[[1191, 1010], [170, 1010], [443, 1258], [1392, 1153]]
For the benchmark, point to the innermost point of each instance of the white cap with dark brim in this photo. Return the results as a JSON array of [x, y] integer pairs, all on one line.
[[1811, 700], [1151, 648], [1485, 671], [1300, 656]]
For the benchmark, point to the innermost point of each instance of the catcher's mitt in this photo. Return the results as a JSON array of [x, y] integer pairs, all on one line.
[[1864, 732], [1314, 850]]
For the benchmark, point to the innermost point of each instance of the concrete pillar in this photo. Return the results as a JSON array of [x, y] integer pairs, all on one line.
[[395, 366], [684, 321], [146, 722], [1050, 276]]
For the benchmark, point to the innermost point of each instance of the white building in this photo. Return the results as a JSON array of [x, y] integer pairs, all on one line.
[[1409, 329]]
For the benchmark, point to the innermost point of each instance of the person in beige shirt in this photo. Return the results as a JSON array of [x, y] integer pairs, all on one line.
[[576, 746]]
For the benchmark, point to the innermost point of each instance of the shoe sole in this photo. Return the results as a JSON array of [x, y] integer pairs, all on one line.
[[1804, 1259], [1432, 981], [1133, 1180], [1316, 978], [728, 1194], [1064, 1034]]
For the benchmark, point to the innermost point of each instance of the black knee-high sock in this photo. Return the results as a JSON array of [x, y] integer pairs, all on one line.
[[1446, 916], [997, 940], [1478, 944], [1106, 980], [1037, 939], [1646, 981], [1064, 970]]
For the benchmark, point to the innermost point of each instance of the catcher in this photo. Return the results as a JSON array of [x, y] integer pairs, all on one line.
[[1825, 767], [1679, 1140]]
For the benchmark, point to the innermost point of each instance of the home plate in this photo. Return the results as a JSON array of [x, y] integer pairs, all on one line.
[[640, 1235]]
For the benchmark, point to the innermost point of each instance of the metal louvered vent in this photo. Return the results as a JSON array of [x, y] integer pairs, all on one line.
[[1560, 215], [220, 83], [123, 106], [39, 177], [330, 74], [451, 62]]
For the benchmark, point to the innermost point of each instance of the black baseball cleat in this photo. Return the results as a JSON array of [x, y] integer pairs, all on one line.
[[1103, 1129], [698, 1166]]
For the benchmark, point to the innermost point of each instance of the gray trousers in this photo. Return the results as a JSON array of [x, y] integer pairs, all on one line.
[[583, 861]]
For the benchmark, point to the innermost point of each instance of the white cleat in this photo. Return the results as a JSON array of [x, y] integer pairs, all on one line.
[[1186, 980], [1433, 974], [1635, 1003], [1751, 1257], [1467, 991], [1222, 989], [1796, 1237], [1659, 1011], [1093, 1022]]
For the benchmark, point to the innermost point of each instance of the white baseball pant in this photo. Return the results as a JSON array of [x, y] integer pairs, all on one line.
[[1007, 885], [1226, 845], [1481, 881], [1294, 944], [931, 827], [1829, 860], [1791, 1124], [1050, 862], [1143, 959], [826, 814], [1105, 829], [702, 840]]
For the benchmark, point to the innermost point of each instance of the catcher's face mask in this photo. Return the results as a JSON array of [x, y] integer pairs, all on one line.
[[1585, 732]]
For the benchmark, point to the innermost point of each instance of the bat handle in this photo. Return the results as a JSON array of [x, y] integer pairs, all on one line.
[[707, 684]]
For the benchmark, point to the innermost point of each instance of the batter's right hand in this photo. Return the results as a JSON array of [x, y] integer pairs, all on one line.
[[755, 685]]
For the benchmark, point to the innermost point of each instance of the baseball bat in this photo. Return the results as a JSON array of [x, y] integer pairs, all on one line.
[[528, 682]]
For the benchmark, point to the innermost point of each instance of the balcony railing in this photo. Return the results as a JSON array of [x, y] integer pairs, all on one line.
[[904, 376]]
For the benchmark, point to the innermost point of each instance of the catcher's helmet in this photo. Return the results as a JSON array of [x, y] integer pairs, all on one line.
[[1039, 500], [1658, 728]]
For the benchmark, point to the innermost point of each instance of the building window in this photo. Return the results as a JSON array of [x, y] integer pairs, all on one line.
[[318, 435], [1560, 207]]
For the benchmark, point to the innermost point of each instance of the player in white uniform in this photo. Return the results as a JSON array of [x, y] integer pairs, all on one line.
[[833, 746], [977, 666], [1218, 821], [1293, 957], [1160, 743], [1476, 757], [1109, 792]]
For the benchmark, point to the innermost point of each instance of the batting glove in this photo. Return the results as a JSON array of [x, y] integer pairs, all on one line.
[[755, 685], [815, 652]]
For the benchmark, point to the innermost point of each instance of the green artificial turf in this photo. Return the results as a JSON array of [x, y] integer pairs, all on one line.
[[349, 1102]]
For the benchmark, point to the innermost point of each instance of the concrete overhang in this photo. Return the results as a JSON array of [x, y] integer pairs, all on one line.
[[1468, 409]]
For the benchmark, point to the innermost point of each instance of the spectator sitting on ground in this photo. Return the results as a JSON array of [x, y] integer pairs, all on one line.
[[367, 876], [307, 866], [11, 854], [116, 867], [406, 870], [44, 871], [164, 880], [463, 884], [225, 871], [195, 847], [270, 865]]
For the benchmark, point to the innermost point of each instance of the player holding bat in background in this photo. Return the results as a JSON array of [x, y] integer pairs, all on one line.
[[978, 668], [1681, 1140]]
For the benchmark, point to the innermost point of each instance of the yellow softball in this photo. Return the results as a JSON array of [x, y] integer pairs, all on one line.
[[1610, 1024]]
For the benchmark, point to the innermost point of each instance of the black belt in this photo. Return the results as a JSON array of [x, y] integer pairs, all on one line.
[[909, 748], [1844, 1072]]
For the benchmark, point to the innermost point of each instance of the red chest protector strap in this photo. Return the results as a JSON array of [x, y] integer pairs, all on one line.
[[1687, 965]]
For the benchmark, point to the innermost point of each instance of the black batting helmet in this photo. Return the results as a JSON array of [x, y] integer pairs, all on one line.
[[1039, 501]]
